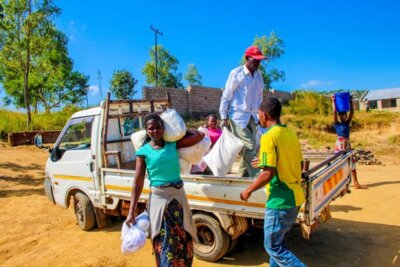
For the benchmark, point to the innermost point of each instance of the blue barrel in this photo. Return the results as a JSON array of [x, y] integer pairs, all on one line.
[[342, 101]]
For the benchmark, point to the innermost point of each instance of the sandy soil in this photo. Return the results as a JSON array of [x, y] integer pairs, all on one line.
[[364, 231]]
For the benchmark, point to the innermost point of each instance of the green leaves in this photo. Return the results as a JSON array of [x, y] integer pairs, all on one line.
[[166, 69], [34, 57], [122, 84], [192, 75]]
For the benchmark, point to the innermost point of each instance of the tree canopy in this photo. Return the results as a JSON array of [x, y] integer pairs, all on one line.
[[167, 68], [122, 84], [34, 57], [192, 75]]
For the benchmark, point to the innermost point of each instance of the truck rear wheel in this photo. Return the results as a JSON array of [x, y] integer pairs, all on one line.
[[84, 212], [213, 240]]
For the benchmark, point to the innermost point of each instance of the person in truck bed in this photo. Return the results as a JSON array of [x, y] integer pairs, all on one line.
[[172, 227]]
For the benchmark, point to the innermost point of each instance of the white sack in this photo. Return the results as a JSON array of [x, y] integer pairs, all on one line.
[[138, 139], [143, 221], [184, 166], [174, 126], [193, 154], [203, 130], [224, 153], [133, 239]]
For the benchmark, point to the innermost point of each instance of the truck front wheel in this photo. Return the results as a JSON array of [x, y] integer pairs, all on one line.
[[213, 240], [84, 212]]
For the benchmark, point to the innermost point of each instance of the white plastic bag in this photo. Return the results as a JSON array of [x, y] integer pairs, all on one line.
[[223, 154], [138, 139], [184, 166], [174, 126], [193, 154], [143, 221], [134, 237]]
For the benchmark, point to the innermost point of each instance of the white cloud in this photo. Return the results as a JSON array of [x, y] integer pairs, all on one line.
[[72, 32], [94, 90], [315, 83]]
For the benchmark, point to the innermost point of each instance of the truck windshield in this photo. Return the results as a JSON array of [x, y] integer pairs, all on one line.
[[78, 134]]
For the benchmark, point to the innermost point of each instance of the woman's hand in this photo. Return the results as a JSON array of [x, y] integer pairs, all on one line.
[[130, 219]]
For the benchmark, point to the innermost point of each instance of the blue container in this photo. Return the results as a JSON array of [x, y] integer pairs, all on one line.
[[342, 101]]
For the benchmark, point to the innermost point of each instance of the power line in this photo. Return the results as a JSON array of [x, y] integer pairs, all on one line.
[[156, 32]]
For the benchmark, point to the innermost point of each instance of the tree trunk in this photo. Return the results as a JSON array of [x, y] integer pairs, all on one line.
[[26, 73]]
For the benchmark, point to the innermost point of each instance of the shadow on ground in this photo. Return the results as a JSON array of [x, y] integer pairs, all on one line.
[[336, 243]]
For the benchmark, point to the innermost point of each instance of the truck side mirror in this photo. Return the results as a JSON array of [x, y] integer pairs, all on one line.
[[38, 140]]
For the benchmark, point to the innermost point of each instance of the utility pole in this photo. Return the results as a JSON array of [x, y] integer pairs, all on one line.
[[156, 32], [99, 78]]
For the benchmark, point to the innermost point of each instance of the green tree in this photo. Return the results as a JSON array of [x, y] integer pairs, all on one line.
[[167, 69], [20, 29], [273, 48], [122, 84], [34, 56], [192, 75]]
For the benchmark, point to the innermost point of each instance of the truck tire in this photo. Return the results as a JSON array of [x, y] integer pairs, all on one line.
[[84, 212], [213, 240]]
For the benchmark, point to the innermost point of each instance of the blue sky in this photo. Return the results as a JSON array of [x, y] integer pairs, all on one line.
[[328, 44]]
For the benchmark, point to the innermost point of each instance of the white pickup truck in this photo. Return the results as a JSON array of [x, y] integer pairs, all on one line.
[[93, 163]]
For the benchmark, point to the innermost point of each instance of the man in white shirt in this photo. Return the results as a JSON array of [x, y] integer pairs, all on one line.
[[240, 100]]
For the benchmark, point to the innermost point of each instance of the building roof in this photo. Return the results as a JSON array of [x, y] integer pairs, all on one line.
[[382, 94]]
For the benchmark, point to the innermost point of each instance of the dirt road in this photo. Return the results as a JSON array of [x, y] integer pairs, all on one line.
[[364, 231]]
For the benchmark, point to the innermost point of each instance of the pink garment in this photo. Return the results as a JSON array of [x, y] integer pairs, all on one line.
[[214, 134]]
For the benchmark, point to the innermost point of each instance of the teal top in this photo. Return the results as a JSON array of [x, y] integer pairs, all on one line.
[[162, 164]]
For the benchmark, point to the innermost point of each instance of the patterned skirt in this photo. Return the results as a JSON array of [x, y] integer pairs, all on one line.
[[173, 246]]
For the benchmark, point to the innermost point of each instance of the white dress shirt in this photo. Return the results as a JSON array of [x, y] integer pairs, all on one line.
[[242, 96]]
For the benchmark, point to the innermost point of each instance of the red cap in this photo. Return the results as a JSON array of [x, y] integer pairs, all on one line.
[[254, 52]]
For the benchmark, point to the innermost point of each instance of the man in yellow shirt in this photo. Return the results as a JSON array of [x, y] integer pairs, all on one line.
[[280, 161]]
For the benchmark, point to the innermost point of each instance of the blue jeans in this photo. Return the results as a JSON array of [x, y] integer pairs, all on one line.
[[277, 223]]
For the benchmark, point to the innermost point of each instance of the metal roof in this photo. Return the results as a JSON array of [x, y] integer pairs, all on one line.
[[382, 94]]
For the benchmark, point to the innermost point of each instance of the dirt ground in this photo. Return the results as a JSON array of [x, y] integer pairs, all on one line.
[[364, 231]]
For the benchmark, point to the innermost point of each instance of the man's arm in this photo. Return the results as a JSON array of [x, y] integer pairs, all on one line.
[[227, 95], [263, 179]]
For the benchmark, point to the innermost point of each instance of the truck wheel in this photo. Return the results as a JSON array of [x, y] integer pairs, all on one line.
[[232, 245], [84, 212], [213, 240]]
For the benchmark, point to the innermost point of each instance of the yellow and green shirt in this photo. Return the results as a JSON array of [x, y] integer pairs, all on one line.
[[280, 149]]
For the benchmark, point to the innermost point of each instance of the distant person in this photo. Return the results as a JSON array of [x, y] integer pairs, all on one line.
[[240, 100], [280, 161], [214, 133], [342, 128], [212, 127], [172, 226], [367, 106]]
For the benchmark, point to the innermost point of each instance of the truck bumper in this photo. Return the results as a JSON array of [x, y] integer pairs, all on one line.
[[48, 189]]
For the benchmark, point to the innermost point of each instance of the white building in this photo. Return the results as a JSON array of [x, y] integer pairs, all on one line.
[[382, 99]]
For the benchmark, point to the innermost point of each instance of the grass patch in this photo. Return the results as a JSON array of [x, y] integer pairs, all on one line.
[[394, 140], [12, 121]]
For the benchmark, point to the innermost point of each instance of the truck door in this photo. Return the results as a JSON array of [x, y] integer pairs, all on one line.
[[72, 162]]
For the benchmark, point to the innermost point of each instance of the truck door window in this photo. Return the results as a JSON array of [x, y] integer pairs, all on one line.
[[78, 134]]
